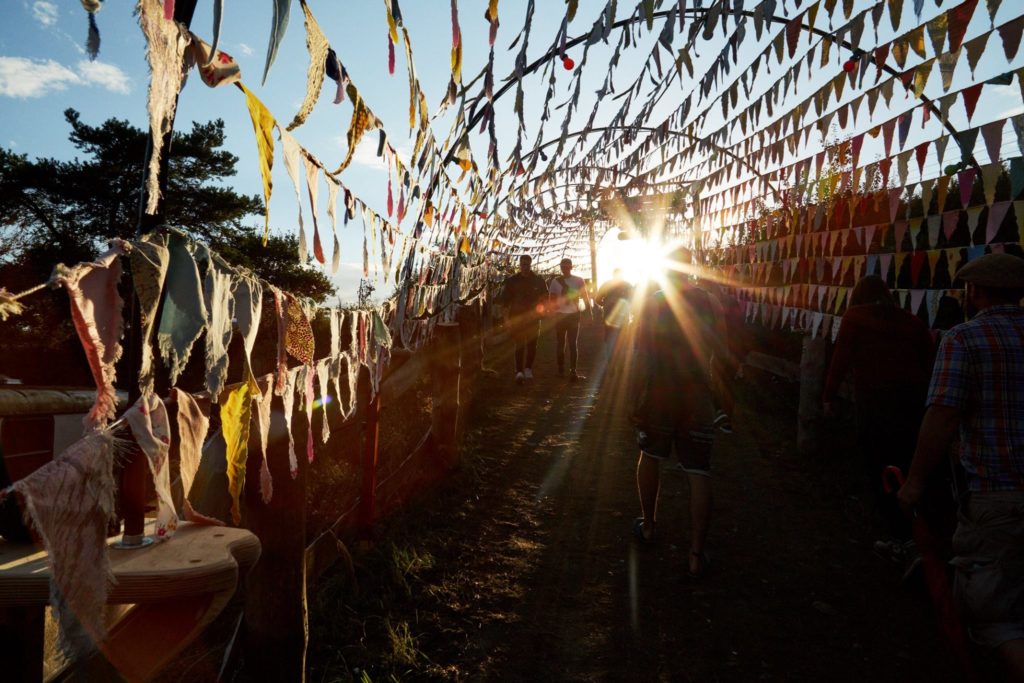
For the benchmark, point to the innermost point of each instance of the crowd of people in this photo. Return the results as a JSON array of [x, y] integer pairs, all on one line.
[[947, 414]]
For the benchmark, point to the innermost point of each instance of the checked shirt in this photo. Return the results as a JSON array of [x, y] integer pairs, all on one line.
[[980, 370]]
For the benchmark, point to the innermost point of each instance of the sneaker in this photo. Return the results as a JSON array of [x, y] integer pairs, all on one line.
[[723, 422], [890, 550], [528, 373], [520, 377], [912, 561]]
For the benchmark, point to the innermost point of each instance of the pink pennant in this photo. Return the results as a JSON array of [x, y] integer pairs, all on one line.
[[966, 179], [950, 221], [996, 216]]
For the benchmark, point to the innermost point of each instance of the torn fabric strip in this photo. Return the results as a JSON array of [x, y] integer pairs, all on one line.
[[313, 186], [316, 43], [97, 312], [220, 305], [183, 316], [149, 259], [152, 431], [288, 399], [165, 50], [292, 154], [263, 427], [235, 418], [216, 68], [193, 425], [248, 312], [263, 125], [69, 501]]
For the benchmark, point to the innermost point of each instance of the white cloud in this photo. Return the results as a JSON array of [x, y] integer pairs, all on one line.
[[44, 12], [245, 49], [107, 76], [26, 78]]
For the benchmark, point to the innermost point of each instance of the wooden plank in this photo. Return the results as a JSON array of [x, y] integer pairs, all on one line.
[[199, 560]]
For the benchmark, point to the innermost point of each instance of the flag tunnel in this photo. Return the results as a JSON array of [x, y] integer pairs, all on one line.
[[223, 383]]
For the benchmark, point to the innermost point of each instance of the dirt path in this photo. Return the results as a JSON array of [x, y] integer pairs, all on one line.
[[522, 567]]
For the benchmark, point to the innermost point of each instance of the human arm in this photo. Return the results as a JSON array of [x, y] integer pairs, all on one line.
[[938, 428], [946, 396]]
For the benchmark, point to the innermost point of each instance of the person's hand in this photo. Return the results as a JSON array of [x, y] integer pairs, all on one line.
[[909, 495]]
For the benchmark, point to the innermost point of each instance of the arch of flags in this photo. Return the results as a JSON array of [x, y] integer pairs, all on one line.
[[797, 145]]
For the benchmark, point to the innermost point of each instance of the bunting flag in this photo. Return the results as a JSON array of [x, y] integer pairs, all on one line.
[[263, 125], [166, 42], [235, 418], [316, 43]]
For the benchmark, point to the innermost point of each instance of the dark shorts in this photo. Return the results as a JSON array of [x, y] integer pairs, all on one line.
[[687, 426], [989, 549]]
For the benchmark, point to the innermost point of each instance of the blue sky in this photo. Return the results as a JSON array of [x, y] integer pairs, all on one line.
[[43, 70]]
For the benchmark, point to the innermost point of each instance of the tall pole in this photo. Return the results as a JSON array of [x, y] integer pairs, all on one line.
[[135, 472], [593, 256]]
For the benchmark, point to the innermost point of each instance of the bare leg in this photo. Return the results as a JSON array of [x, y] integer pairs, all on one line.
[[1012, 654], [700, 518], [648, 482]]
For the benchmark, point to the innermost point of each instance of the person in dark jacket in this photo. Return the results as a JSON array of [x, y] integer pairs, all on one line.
[[523, 295], [890, 353]]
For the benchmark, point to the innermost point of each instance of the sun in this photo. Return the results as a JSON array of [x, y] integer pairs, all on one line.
[[639, 260]]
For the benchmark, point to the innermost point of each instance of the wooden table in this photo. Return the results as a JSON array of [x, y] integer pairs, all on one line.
[[175, 589]]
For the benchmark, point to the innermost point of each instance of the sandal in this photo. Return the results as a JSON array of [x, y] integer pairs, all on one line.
[[638, 532], [705, 565]]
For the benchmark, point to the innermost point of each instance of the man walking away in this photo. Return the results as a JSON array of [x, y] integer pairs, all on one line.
[[614, 298], [564, 294], [978, 386], [678, 335], [523, 297]]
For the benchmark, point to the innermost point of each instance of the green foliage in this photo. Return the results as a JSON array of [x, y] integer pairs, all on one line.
[[54, 211], [64, 211]]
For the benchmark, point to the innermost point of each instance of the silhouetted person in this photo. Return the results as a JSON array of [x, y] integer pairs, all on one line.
[[678, 334], [565, 292], [977, 389], [523, 296], [614, 298], [890, 353]]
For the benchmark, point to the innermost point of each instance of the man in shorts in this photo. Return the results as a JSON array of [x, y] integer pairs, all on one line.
[[678, 335], [978, 385]]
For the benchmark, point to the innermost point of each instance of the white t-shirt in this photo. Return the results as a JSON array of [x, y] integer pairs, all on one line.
[[569, 300]]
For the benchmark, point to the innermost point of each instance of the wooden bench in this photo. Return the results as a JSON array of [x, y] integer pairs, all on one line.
[[174, 588]]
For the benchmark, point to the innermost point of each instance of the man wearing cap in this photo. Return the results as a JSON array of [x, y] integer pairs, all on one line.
[[978, 386], [564, 294]]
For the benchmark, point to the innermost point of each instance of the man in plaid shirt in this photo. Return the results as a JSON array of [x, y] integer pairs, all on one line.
[[978, 386]]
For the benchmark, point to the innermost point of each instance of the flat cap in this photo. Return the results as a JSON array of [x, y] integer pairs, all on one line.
[[994, 270]]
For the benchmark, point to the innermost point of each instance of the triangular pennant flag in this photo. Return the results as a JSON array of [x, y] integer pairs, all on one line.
[[973, 214], [966, 180], [950, 221], [996, 216], [1016, 176], [990, 176], [934, 226], [916, 299], [959, 18], [933, 262], [992, 134], [970, 97], [1010, 32]]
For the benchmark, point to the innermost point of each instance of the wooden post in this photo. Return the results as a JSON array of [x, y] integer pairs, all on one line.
[[371, 431], [275, 625], [593, 259], [445, 369], [812, 386]]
